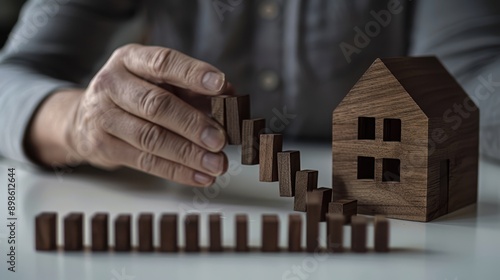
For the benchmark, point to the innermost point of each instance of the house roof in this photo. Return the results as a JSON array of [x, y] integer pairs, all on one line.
[[430, 85]]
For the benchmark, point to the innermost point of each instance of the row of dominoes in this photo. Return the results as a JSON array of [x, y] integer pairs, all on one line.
[[264, 148], [46, 232]]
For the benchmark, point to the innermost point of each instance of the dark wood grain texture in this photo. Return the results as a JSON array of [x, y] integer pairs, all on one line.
[[381, 234], [294, 233], [252, 129], [219, 110], [270, 233], [191, 231], [100, 232], [325, 195], [288, 165], [237, 110], [305, 181], [241, 232], [145, 226], [214, 221], [358, 234], [270, 145], [346, 207], [335, 232], [123, 235], [168, 232], [46, 231], [73, 232], [313, 217], [438, 125]]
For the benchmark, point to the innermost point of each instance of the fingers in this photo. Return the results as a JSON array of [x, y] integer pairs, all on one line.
[[200, 102], [156, 140], [127, 155], [163, 65], [158, 106]]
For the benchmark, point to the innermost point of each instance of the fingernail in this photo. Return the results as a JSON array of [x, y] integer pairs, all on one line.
[[213, 81], [212, 163], [213, 138], [202, 178]]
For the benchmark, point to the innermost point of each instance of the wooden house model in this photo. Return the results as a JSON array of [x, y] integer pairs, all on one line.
[[405, 141]]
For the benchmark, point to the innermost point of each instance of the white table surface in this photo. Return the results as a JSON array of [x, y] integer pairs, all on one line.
[[461, 245]]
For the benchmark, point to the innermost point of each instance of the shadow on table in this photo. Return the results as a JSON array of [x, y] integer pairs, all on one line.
[[470, 216], [134, 181]]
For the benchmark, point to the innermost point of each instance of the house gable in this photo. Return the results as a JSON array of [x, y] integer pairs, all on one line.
[[430, 85], [379, 95]]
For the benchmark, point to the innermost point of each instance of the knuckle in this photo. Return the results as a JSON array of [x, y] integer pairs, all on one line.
[[177, 172], [122, 51], [152, 102], [191, 122], [161, 60], [146, 161], [106, 119], [99, 141], [151, 137], [102, 81], [186, 151], [91, 143], [190, 72]]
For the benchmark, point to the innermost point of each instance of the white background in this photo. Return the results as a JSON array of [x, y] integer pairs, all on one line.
[[461, 245]]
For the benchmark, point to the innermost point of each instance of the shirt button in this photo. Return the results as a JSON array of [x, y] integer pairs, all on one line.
[[269, 80], [269, 10]]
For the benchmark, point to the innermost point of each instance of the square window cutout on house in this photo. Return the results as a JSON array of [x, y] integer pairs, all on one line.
[[366, 128], [392, 130], [391, 170], [366, 168]]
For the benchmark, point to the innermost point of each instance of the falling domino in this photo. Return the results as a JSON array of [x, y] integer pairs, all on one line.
[[252, 129], [288, 165], [237, 110], [346, 207], [325, 195], [270, 145], [219, 110], [305, 181]]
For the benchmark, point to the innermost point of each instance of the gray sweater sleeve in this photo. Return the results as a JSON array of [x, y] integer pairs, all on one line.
[[465, 35], [55, 44]]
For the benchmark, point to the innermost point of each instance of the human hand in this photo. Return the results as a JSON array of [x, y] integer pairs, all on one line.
[[127, 117]]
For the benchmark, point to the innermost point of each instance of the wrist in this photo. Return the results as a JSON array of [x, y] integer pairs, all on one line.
[[48, 139]]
